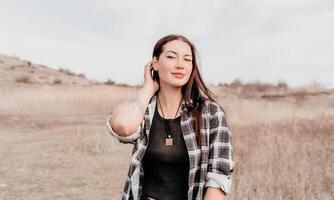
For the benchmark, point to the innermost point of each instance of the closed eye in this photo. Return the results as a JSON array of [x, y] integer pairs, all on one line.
[[184, 59]]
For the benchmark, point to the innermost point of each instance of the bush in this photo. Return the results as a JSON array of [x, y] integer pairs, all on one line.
[[57, 81], [236, 83], [82, 75], [23, 79], [109, 82], [282, 84], [66, 71], [27, 63]]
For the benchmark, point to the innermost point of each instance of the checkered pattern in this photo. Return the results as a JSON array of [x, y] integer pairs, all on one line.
[[211, 164]]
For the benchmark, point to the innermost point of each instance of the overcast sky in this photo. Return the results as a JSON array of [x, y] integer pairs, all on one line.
[[265, 40]]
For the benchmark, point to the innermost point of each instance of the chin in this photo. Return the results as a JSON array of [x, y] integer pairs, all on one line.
[[178, 84]]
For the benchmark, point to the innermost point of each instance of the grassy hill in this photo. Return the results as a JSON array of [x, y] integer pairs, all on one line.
[[17, 72]]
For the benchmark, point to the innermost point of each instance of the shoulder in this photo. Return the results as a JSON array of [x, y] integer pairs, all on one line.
[[215, 113], [213, 108]]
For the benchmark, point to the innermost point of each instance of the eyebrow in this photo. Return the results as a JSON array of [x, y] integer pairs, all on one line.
[[176, 53]]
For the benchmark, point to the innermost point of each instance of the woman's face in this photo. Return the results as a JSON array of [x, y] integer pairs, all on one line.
[[175, 63]]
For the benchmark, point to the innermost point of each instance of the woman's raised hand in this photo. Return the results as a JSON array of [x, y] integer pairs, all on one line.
[[149, 83]]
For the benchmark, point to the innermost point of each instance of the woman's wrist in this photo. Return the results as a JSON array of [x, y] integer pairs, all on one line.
[[146, 92], [141, 99]]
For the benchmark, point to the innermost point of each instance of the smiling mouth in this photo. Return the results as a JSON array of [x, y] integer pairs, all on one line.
[[178, 75]]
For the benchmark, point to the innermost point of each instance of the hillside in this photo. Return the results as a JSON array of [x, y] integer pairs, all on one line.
[[17, 72]]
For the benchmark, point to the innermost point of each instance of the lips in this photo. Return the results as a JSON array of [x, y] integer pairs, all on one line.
[[178, 75]]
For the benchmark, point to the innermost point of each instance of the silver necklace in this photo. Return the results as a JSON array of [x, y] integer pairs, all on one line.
[[169, 139]]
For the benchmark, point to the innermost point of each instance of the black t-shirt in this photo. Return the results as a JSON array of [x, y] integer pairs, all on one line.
[[166, 168]]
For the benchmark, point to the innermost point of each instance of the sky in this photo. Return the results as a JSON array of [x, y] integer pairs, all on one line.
[[249, 40]]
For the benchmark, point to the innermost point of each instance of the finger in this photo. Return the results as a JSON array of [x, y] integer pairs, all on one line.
[[149, 66]]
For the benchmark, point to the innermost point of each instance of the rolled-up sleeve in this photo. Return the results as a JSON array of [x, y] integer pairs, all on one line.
[[124, 139], [220, 162]]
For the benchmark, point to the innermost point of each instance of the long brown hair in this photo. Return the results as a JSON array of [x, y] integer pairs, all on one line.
[[192, 89]]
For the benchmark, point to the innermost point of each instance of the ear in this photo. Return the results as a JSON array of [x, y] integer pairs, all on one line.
[[155, 64]]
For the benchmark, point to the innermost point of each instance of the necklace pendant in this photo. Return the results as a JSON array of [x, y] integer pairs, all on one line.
[[169, 142]]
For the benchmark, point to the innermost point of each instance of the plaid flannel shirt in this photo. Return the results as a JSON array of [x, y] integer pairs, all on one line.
[[211, 164]]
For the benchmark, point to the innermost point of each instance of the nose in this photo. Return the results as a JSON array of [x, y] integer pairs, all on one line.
[[179, 64]]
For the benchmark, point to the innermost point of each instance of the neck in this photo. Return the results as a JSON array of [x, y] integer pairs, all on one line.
[[170, 97]]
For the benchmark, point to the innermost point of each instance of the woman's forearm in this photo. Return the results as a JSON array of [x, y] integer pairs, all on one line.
[[214, 194], [128, 115]]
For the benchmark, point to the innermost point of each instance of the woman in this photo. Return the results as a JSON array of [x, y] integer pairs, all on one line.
[[182, 144]]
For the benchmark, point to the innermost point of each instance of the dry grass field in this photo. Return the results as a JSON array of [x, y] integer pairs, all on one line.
[[54, 143]]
